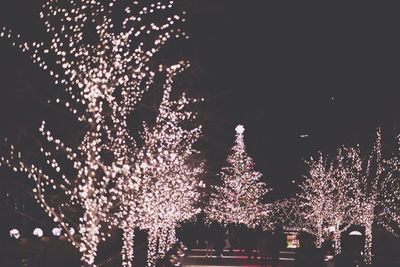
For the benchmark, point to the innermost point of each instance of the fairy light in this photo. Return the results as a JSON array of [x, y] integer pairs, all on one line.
[[14, 233], [327, 196], [289, 213], [390, 213], [56, 231], [168, 172], [378, 187], [352, 189], [315, 194], [237, 200], [37, 232], [91, 74], [370, 175]]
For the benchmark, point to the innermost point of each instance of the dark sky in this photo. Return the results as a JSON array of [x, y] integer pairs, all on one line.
[[327, 70], [330, 71]]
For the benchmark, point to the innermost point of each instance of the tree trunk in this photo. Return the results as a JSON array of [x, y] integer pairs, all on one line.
[[127, 248], [319, 237], [152, 249], [162, 241], [85, 264], [368, 244], [338, 242], [88, 256], [171, 237]]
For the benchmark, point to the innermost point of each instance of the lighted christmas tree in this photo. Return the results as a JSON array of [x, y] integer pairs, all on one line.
[[238, 199]]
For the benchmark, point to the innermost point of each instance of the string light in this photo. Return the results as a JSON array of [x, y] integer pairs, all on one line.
[[56, 231], [117, 62], [289, 213], [168, 174], [390, 213], [38, 232], [351, 189], [14, 233], [326, 196], [315, 194]]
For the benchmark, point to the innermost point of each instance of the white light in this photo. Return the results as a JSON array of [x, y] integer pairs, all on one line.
[[239, 129], [56, 231], [71, 231], [95, 72], [15, 233], [357, 233], [230, 203], [38, 232], [331, 229]]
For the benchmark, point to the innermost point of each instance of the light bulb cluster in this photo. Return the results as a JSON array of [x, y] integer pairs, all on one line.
[[290, 214], [168, 173], [390, 213], [104, 78], [350, 189], [238, 199], [325, 197]]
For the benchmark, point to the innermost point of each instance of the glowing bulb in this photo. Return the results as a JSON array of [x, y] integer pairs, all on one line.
[[38, 232], [239, 129], [56, 231], [15, 233]]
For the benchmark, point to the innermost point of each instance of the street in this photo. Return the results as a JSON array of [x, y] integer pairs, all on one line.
[[196, 257]]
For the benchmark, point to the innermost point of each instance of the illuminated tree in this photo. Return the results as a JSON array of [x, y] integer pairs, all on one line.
[[288, 212], [330, 196], [341, 206], [168, 171], [238, 199], [390, 215], [352, 189], [372, 188], [315, 194], [104, 77]]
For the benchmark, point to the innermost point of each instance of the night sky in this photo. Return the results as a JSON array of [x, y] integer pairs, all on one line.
[[328, 71]]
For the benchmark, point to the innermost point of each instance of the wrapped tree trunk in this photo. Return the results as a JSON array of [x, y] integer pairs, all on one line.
[[338, 242], [319, 234], [152, 248], [368, 244], [127, 248]]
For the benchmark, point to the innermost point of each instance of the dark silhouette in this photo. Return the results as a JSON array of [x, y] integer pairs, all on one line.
[[249, 242], [278, 243], [307, 255], [265, 247], [10, 252], [345, 259], [208, 239], [241, 233], [218, 237]]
